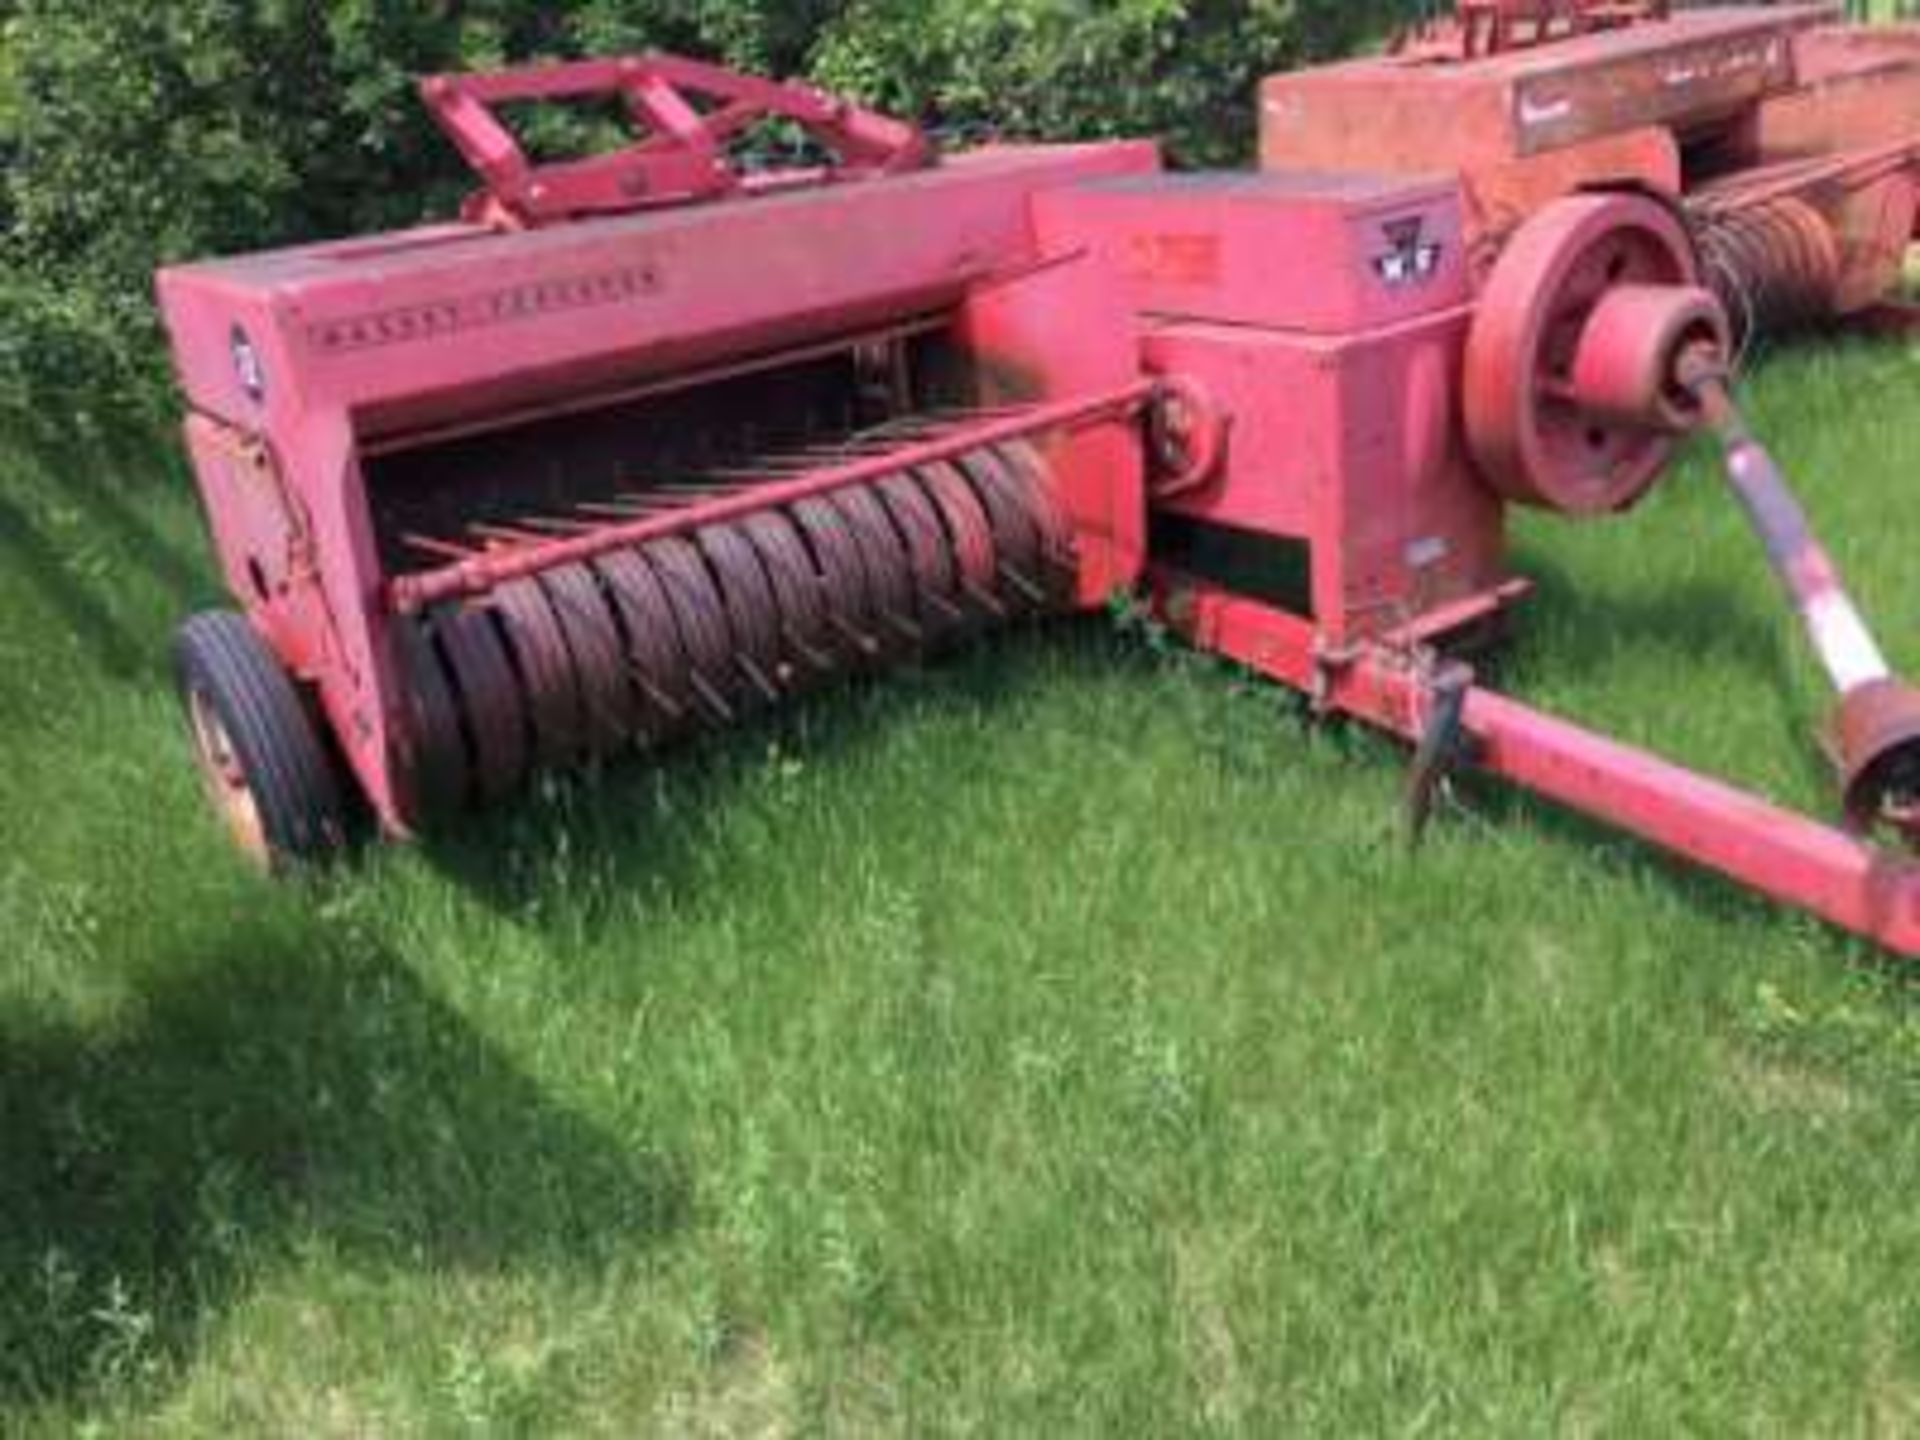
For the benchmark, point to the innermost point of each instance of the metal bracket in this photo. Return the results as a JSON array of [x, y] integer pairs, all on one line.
[[1479, 28], [1444, 746], [685, 116]]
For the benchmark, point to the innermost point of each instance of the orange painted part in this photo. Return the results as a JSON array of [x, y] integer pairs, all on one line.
[[1874, 225], [1703, 103], [1410, 114], [1856, 86]]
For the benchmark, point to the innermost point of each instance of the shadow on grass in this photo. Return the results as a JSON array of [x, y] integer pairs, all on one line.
[[1693, 617], [98, 480], [138, 579], [641, 816], [119, 652], [278, 1093]]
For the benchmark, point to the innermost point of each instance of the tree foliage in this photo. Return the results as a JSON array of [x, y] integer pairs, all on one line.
[[134, 133], [1184, 70]]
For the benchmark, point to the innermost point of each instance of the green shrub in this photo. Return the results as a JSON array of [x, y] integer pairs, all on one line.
[[1185, 70], [65, 361]]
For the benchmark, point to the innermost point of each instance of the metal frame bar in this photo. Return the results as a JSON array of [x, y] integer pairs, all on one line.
[[1791, 857]]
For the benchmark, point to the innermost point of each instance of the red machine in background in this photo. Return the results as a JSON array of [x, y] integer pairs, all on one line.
[[1786, 139], [655, 439]]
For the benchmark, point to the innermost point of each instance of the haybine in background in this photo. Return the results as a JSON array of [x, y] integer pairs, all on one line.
[[651, 440]]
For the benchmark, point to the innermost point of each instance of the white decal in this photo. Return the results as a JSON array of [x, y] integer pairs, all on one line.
[[1846, 647], [1410, 257], [1534, 113]]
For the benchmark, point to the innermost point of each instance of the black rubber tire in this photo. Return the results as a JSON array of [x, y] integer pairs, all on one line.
[[278, 751]]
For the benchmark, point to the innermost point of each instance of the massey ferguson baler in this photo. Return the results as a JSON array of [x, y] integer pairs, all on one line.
[[650, 441]]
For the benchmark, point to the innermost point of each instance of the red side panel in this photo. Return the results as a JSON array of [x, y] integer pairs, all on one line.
[[1063, 330]]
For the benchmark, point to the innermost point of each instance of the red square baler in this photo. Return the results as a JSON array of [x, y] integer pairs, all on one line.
[[647, 442]]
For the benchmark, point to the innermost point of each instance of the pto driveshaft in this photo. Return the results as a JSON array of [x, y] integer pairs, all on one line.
[[1875, 733]]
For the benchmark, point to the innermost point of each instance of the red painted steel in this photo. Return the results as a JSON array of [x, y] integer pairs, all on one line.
[[1592, 334], [1816, 867], [1337, 377], [310, 370], [1876, 724]]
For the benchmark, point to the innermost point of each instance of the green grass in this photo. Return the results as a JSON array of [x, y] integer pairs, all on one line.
[[1055, 1041]]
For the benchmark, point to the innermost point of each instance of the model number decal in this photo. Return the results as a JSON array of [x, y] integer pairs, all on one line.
[[493, 307]]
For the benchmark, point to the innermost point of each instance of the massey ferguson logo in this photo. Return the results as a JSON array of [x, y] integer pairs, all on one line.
[[1410, 257]]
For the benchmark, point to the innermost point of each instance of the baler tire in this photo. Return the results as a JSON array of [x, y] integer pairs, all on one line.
[[266, 763]]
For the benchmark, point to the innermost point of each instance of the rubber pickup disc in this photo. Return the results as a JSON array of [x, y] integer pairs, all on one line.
[[544, 663], [936, 587], [652, 638], [807, 641], [843, 578], [700, 615], [753, 617], [1059, 562], [889, 572], [493, 710], [599, 658], [1016, 538], [970, 537]]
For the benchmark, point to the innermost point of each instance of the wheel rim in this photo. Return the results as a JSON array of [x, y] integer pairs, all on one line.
[[225, 781]]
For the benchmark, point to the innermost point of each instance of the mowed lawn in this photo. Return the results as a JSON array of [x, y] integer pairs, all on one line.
[[1058, 1040]]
